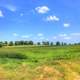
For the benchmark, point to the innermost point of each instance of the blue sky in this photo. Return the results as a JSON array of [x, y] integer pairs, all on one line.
[[40, 20]]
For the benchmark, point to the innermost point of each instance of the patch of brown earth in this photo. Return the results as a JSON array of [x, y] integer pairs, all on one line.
[[48, 73]]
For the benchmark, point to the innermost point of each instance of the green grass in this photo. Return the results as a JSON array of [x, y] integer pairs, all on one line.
[[35, 54], [16, 60]]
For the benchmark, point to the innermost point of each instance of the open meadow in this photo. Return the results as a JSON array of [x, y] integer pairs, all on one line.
[[40, 63]]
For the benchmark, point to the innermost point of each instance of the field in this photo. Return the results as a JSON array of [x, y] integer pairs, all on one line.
[[40, 63]]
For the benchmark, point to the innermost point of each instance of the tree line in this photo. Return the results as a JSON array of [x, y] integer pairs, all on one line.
[[43, 43]]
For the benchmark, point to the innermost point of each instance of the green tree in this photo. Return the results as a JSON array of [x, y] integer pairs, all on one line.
[[5, 43], [30, 42], [21, 42], [46, 43], [11, 43], [16, 43], [58, 43], [51, 44], [1, 44], [26, 43], [38, 43]]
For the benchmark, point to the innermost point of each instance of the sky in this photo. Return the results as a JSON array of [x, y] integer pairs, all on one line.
[[40, 20]]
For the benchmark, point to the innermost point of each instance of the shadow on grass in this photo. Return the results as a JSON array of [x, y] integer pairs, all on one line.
[[13, 55]]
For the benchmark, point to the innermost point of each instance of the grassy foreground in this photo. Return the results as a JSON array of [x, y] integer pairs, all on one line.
[[40, 63]]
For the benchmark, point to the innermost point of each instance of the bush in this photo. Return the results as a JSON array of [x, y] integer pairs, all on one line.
[[13, 55], [1, 45]]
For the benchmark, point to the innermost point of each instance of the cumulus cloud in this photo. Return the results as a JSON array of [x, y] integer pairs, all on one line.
[[62, 35], [75, 34], [52, 18], [11, 7], [42, 9], [39, 34], [26, 36], [66, 25], [41, 38], [70, 37], [67, 37], [54, 37], [15, 34], [21, 14], [1, 14]]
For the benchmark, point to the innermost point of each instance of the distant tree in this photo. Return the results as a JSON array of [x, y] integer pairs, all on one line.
[[11, 43], [43, 43], [38, 43], [75, 43], [46, 43], [70, 44], [21, 42], [5, 43], [16, 43], [63, 44], [25, 42], [79, 43], [1, 44], [30, 42], [58, 43], [51, 44]]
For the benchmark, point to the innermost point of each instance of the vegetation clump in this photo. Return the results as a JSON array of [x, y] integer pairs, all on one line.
[[13, 55]]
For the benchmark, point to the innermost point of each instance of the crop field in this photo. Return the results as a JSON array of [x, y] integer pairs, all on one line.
[[40, 63]]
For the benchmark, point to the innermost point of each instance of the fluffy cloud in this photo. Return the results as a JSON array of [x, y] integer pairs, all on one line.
[[52, 18], [39, 34], [21, 14], [42, 9], [67, 37], [26, 36], [41, 38], [1, 14], [11, 7], [70, 37], [66, 25], [75, 34], [62, 35], [54, 37], [15, 34]]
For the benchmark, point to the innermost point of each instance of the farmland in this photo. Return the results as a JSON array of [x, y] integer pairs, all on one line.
[[40, 63]]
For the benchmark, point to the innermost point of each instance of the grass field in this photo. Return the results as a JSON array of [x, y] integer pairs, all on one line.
[[40, 63]]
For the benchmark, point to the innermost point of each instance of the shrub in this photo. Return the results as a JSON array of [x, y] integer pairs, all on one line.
[[1, 45], [13, 55]]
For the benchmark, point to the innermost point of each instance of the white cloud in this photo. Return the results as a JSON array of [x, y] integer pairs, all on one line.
[[42, 9], [47, 39], [70, 37], [75, 34], [26, 36], [54, 37], [21, 14], [67, 37], [39, 34], [52, 18], [15, 34], [66, 25], [62, 35], [41, 38], [1, 14], [11, 7]]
